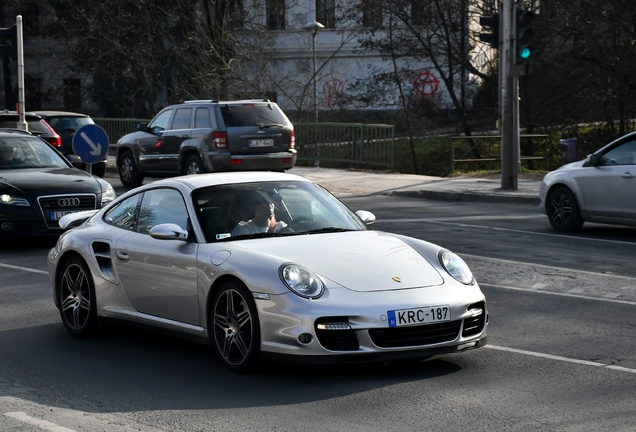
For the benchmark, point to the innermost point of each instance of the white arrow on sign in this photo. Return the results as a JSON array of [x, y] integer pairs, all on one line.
[[97, 149]]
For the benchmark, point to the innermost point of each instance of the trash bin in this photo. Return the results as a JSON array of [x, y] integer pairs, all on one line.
[[569, 150]]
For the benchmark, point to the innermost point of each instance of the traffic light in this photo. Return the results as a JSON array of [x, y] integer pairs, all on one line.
[[524, 34], [9, 42], [491, 38]]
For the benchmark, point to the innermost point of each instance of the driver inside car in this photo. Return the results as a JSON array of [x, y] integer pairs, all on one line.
[[264, 219]]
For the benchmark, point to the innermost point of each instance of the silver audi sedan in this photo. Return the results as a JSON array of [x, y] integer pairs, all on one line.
[[263, 266]]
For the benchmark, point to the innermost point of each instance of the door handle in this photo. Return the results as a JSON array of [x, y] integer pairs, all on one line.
[[627, 175], [122, 255]]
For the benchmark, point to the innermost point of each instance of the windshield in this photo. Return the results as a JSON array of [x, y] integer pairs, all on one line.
[[60, 124], [28, 152], [269, 209]]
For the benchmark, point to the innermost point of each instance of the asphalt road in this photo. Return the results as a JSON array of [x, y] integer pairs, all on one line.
[[561, 353]]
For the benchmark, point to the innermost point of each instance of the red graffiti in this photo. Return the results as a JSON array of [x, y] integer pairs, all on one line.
[[331, 90], [426, 83]]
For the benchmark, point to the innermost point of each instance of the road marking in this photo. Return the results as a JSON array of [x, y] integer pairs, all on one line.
[[562, 294], [559, 358], [27, 269], [42, 424]]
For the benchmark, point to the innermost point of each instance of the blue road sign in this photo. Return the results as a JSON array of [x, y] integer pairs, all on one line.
[[90, 143]]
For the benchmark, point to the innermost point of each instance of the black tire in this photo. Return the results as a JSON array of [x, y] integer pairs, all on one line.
[[76, 292], [193, 165], [99, 169], [235, 328], [563, 210], [129, 174]]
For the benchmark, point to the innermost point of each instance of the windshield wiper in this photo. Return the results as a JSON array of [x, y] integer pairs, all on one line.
[[326, 230], [267, 126]]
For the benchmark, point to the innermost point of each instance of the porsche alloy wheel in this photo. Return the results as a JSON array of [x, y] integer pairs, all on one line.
[[235, 327], [77, 298], [563, 210]]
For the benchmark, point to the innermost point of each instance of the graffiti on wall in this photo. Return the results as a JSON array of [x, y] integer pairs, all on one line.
[[378, 90]]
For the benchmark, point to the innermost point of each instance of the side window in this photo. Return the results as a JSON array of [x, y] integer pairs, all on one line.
[[160, 123], [182, 119], [202, 118], [125, 214], [160, 206], [624, 154]]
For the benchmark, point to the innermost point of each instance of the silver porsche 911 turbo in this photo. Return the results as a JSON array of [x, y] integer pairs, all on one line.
[[263, 266]]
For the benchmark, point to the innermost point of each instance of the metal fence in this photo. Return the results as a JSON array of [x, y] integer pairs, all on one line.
[[462, 148], [350, 143], [116, 128]]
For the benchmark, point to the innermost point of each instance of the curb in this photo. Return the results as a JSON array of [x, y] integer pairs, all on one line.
[[468, 197]]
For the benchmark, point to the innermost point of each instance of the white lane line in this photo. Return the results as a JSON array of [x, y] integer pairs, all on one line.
[[548, 267], [559, 358], [42, 424], [27, 269], [562, 294]]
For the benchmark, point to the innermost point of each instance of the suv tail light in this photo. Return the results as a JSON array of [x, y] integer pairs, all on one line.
[[55, 141], [292, 140], [220, 139]]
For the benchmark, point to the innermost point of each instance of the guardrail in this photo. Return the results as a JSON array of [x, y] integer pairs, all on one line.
[[466, 145], [350, 143], [116, 128]]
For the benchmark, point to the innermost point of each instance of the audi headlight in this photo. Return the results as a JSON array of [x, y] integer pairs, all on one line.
[[301, 281], [14, 200], [108, 195], [456, 267]]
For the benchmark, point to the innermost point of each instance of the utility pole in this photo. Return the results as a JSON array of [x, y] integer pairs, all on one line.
[[510, 162]]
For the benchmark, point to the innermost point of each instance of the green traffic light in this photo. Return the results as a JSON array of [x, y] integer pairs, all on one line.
[[525, 53]]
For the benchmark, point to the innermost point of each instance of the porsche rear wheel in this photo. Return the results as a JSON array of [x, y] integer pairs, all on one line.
[[235, 327], [77, 298], [563, 210]]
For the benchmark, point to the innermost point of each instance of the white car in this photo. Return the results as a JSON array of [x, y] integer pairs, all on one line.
[[601, 188], [263, 265]]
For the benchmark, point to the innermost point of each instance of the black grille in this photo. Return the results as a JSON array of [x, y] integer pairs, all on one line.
[[336, 340], [475, 325], [415, 335], [52, 203]]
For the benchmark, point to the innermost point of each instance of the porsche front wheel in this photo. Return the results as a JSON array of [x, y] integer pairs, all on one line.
[[77, 298], [235, 327]]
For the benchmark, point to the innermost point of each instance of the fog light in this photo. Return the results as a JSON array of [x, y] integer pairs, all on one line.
[[305, 338], [6, 226]]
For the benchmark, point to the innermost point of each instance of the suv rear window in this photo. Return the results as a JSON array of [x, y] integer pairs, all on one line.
[[251, 115]]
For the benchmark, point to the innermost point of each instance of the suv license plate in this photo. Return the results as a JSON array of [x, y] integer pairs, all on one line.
[[261, 143], [429, 314]]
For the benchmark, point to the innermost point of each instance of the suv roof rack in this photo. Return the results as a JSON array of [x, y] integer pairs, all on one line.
[[202, 101]]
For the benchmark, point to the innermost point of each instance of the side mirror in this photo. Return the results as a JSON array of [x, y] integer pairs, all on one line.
[[75, 160], [366, 216], [594, 159], [168, 231], [143, 127]]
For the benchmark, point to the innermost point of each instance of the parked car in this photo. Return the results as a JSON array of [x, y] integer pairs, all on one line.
[[263, 266], [208, 136], [35, 124], [65, 124], [600, 188], [38, 186]]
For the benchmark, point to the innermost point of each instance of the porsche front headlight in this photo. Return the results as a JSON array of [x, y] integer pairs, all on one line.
[[456, 267], [301, 281], [14, 200]]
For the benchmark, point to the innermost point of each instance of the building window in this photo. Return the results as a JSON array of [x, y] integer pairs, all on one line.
[[72, 94], [371, 13], [326, 13], [31, 18], [237, 15], [420, 12], [33, 93], [276, 14]]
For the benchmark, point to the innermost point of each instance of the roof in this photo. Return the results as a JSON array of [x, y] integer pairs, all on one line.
[[196, 181], [60, 114]]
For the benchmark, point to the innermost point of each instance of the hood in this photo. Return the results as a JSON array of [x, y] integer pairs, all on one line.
[[49, 181], [357, 260], [572, 165]]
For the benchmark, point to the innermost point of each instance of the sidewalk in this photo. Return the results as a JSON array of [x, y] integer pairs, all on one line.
[[468, 189]]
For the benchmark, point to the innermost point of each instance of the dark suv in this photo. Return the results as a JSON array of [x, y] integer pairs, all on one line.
[[208, 136], [65, 124]]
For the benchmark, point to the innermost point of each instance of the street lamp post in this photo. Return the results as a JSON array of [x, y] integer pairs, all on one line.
[[314, 27]]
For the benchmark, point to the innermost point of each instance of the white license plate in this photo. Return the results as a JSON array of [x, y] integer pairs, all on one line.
[[261, 143], [423, 315], [57, 215]]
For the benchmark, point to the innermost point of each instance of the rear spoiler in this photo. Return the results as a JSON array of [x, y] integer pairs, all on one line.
[[73, 220]]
